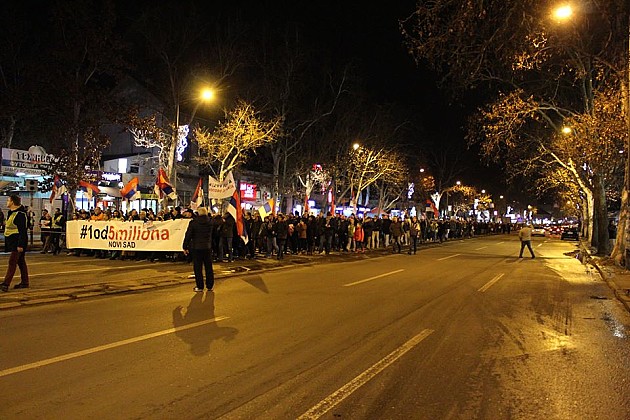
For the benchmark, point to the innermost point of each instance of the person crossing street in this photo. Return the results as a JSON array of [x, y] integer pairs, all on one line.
[[15, 242]]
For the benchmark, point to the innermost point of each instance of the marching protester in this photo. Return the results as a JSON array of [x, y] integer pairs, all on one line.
[[15, 242]]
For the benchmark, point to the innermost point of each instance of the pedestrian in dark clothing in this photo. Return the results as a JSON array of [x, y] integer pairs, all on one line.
[[282, 233], [385, 225], [198, 242], [227, 237], [15, 242], [395, 229], [414, 232]]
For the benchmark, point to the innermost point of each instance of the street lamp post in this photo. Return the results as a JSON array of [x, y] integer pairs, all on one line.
[[179, 141]]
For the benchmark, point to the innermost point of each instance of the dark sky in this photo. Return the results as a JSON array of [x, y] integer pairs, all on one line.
[[367, 34]]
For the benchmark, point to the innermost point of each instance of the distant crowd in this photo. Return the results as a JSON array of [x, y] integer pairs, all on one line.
[[277, 235]]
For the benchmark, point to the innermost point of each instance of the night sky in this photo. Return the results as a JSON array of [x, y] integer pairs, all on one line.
[[366, 34]]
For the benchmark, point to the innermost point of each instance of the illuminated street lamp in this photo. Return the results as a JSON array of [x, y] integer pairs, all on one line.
[[566, 130], [563, 12], [356, 146], [180, 141]]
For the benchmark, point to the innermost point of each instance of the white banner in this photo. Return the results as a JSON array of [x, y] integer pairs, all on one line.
[[221, 189], [127, 236]]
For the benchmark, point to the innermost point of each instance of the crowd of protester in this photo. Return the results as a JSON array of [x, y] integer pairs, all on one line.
[[278, 235]]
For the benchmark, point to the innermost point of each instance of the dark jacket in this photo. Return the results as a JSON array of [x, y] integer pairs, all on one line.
[[20, 239], [199, 233], [228, 227], [282, 230]]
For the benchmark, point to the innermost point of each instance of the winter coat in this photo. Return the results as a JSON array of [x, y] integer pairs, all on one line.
[[199, 233], [395, 229]]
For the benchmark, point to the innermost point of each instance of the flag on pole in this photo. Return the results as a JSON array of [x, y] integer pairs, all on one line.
[[130, 191], [89, 188], [431, 207], [306, 207], [58, 188], [266, 209], [332, 202], [234, 208], [163, 187], [197, 199]]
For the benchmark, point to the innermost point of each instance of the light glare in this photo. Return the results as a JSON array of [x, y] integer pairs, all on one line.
[[563, 12]]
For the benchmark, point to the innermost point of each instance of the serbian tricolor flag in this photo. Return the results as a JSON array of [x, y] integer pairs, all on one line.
[[89, 188], [163, 187], [58, 188], [331, 199], [306, 207], [130, 192], [431, 207], [197, 198], [234, 208]]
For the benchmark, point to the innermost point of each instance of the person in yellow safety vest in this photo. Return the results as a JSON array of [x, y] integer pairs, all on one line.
[[15, 242]]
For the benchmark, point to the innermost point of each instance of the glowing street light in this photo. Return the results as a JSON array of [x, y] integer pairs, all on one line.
[[207, 94], [567, 130], [563, 12], [356, 146], [180, 138], [458, 183]]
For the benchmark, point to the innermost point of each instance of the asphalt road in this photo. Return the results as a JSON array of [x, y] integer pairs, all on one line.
[[461, 331]]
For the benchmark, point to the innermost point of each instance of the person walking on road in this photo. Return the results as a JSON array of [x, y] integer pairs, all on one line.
[[15, 242], [198, 242], [525, 235]]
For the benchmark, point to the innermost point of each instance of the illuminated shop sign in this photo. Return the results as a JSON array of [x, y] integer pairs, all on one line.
[[248, 191]]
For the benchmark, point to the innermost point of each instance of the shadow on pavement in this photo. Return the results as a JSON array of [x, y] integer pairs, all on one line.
[[258, 282], [200, 308]]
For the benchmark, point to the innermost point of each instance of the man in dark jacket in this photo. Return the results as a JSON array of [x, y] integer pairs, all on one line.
[[282, 233], [15, 242], [198, 242]]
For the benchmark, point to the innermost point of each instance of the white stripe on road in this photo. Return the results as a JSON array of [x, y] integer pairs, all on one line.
[[92, 269], [491, 282], [483, 247], [539, 245], [121, 343], [373, 278], [446, 258], [344, 392], [499, 243]]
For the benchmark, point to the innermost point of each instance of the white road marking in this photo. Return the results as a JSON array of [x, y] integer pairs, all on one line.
[[499, 243], [121, 343], [345, 391], [91, 269], [451, 256], [539, 245], [491, 282], [483, 247], [373, 278]]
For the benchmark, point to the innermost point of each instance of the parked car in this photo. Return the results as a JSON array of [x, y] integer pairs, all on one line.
[[554, 230], [538, 230], [570, 233]]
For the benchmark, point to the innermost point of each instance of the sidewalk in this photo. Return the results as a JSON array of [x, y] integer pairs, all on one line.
[[69, 290], [618, 278]]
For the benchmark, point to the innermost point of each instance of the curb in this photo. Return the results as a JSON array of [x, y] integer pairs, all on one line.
[[620, 293]]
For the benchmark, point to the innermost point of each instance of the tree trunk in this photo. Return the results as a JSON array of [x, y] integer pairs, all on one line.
[[587, 222], [619, 251], [600, 218]]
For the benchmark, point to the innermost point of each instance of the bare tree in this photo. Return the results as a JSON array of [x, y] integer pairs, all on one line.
[[242, 132]]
